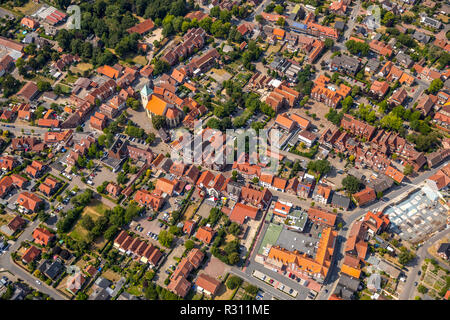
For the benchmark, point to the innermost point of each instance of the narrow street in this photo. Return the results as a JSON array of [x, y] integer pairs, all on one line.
[[409, 290], [7, 263]]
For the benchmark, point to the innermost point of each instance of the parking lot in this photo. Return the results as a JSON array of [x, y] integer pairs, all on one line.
[[147, 228]]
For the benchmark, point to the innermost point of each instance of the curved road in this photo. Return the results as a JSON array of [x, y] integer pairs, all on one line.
[[409, 289], [7, 263]]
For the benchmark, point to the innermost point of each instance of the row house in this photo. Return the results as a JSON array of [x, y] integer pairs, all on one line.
[[322, 194], [98, 121], [35, 169], [49, 186], [372, 158], [345, 64], [357, 127], [273, 182], [152, 200], [380, 48], [193, 39], [141, 250], [258, 198], [178, 280], [139, 154]]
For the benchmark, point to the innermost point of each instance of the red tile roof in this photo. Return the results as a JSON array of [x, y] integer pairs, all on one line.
[[205, 234], [241, 211]]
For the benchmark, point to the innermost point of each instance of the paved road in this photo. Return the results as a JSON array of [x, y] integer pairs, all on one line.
[[251, 265], [7, 263], [16, 129], [258, 10], [409, 289], [352, 20]]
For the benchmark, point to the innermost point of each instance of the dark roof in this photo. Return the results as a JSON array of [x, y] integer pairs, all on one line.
[[339, 25], [444, 248], [101, 294], [54, 270], [347, 286], [340, 200], [381, 184]]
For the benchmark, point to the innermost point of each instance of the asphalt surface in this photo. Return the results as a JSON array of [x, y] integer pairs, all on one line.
[[409, 290]]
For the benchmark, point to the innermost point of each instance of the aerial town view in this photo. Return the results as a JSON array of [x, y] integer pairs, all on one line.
[[224, 150]]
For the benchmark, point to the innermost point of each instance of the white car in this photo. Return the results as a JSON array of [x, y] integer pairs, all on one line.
[[38, 282]]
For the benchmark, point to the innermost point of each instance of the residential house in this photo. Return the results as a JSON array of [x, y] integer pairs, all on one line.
[[207, 284], [365, 196], [29, 202], [42, 236], [205, 234]]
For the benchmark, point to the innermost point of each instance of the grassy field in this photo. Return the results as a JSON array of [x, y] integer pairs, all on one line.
[[140, 60], [81, 67], [111, 275], [5, 219], [41, 78], [29, 8], [95, 210], [224, 293], [135, 290], [189, 212]]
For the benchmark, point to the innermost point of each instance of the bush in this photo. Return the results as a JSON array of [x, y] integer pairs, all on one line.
[[251, 289], [233, 282]]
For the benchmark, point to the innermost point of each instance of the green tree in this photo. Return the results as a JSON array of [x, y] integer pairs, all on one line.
[[165, 238], [189, 245], [233, 282], [351, 184], [408, 169], [435, 86]]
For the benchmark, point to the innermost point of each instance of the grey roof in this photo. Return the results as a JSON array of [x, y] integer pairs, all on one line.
[[339, 25], [346, 62], [374, 281], [127, 296], [447, 83], [444, 248], [102, 282], [163, 135], [346, 286], [381, 184], [391, 270], [100, 294], [373, 64], [404, 59], [422, 37], [432, 22], [340, 201], [54, 270]]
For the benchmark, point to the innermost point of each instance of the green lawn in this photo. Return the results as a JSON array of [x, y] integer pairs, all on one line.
[[95, 210], [135, 290]]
